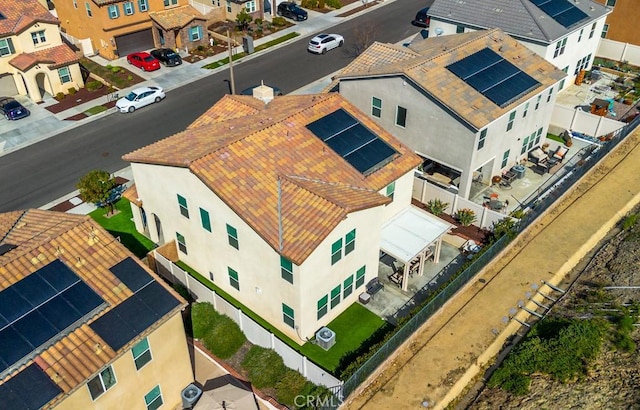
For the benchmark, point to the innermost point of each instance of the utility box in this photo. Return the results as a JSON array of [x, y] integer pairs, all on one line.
[[247, 44]]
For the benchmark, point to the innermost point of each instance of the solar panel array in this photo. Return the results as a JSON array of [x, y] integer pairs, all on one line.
[[565, 13], [150, 302], [493, 76], [41, 308], [348, 138], [29, 389]]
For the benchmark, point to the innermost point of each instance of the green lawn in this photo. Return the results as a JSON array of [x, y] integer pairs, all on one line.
[[121, 225]]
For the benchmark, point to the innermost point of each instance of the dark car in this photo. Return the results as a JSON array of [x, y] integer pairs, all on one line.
[[292, 10], [422, 20], [167, 56], [12, 109]]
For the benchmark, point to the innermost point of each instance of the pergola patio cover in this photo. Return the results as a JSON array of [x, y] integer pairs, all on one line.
[[410, 232]]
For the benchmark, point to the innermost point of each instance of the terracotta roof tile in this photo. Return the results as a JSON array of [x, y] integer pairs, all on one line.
[[22, 14], [176, 17], [240, 148], [53, 57], [427, 68]]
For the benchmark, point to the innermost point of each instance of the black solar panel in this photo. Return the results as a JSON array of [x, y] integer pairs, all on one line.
[[158, 299], [348, 138], [29, 389], [113, 330], [494, 77], [58, 275], [131, 274], [565, 13]]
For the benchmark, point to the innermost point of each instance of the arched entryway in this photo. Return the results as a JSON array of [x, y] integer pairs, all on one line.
[[158, 224], [44, 86]]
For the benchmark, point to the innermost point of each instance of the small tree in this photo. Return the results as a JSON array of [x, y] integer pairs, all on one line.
[[437, 206], [95, 187], [466, 216], [243, 19]]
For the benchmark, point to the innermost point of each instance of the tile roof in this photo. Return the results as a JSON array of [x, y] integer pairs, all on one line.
[[22, 14], [424, 62], [519, 18], [176, 17], [53, 57], [241, 148], [89, 251]]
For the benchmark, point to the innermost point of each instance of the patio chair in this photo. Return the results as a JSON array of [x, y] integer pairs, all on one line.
[[537, 156], [374, 286], [560, 153]]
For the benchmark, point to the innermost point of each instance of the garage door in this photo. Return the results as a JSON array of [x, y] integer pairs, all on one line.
[[132, 42], [8, 86]]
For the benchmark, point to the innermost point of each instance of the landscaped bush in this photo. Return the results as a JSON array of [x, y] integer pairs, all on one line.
[[264, 366], [505, 226], [289, 385], [309, 4], [279, 21], [72, 91], [94, 85], [59, 96], [225, 338], [437, 206], [466, 216], [334, 4]]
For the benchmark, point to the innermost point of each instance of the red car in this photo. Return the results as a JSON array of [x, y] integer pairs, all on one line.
[[143, 60]]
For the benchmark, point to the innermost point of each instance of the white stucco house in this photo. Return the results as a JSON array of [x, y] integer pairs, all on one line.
[[474, 104], [564, 32], [281, 204]]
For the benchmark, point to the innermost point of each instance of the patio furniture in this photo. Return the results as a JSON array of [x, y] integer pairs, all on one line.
[[364, 298], [560, 153], [470, 247], [537, 155], [509, 176], [374, 286]]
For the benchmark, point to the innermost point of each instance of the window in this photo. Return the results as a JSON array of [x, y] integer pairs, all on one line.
[[512, 118], [101, 383], [605, 29], [38, 37], [64, 74], [560, 45], [128, 8], [232, 234], [250, 6], [182, 245], [206, 222], [582, 64], [526, 108], [286, 269], [114, 13], [288, 316], [233, 278], [322, 307], [505, 158], [531, 138], [336, 251], [141, 353], [228, 6], [538, 135], [211, 276], [391, 189], [538, 101], [550, 94], [87, 6], [347, 287], [401, 117], [195, 33], [525, 142], [153, 399], [143, 6], [6, 47], [182, 203], [561, 86], [376, 107], [168, 3], [580, 35], [593, 30], [350, 242], [75, 4], [459, 29], [360, 277], [335, 296], [611, 3], [483, 136]]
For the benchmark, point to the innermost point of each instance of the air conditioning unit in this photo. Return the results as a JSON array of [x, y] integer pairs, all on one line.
[[190, 396], [326, 338]]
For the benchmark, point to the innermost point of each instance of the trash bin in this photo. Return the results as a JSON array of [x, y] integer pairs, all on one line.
[[519, 170], [247, 44]]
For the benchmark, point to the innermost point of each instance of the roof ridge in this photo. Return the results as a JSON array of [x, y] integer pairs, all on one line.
[[13, 226], [331, 199], [527, 4]]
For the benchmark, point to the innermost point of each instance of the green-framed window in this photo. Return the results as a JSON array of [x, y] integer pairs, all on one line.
[[336, 251], [128, 8], [143, 6], [153, 399], [182, 203], [360, 277], [168, 3], [233, 278], [64, 74], [6, 47], [538, 136], [322, 306], [232, 234], [182, 244], [347, 287], [105, 380], [335, 296], [481, 140], [550, 94], [350, 242], [505, 158], [195, 33], [288, 316], [401, 116], [206, 221], [87, 7], [593, 30], [376, 107], [538, 101], [286, 269], [526, 109], [391, 190], [525, 142], [141, 353], [114, 12], [512, 118]]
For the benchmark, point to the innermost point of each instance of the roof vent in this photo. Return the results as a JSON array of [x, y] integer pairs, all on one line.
[[190, 396], [326, 338]]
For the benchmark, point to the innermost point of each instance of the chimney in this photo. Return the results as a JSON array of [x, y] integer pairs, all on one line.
[[263, 92]]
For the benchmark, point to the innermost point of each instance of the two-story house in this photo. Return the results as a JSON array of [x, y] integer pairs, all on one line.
[[620, 24], [564, 32], [475, 102], [33, 58], [280, 204], [83, 324]]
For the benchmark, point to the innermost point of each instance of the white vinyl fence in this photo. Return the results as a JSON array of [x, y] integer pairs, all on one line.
[[568, 118], [254, 332], [201, 6], [617, 51]]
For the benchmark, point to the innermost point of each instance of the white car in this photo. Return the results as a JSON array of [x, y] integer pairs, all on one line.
[[322, 43], [140, 97]]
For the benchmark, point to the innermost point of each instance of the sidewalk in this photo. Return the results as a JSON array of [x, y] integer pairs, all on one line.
[[43, 124]]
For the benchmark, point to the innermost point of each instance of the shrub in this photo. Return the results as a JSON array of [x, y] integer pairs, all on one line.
[[225, 338], [264, 366], [72, 91], [130, 78], [437, 206], [334, 4], [466, 216], [60, 96], [505, 226], [290, 385], [310, 4], [279, 21], [629, 222], [203, 317], [115, 69], [322, 4], [94, 85]]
